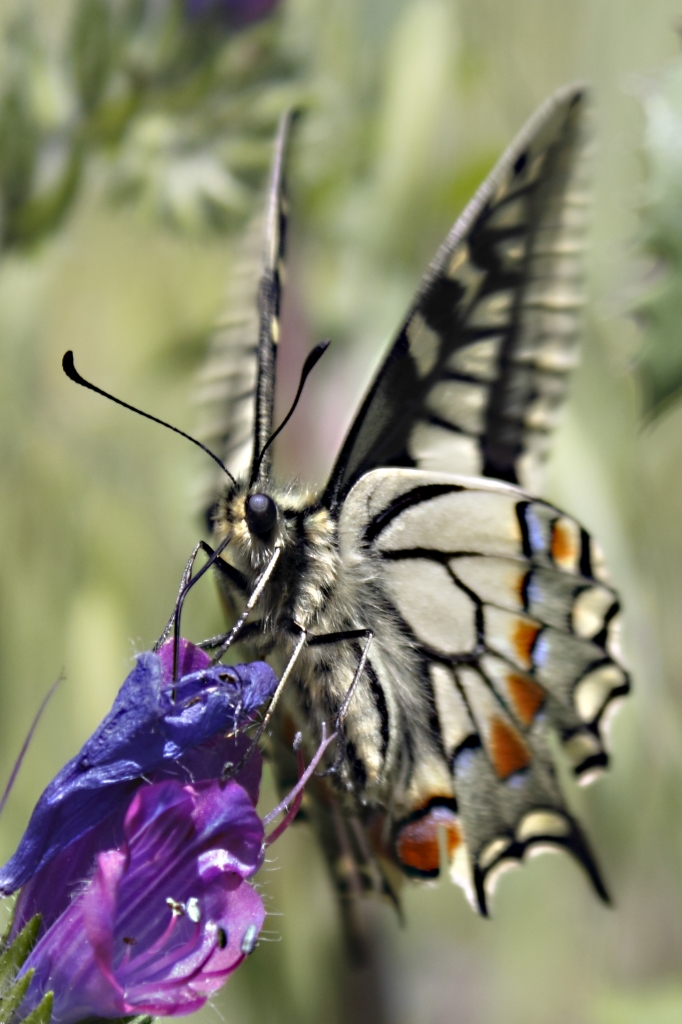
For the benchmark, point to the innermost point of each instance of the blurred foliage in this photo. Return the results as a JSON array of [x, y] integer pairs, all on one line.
[[409, 103], [660, 361], [180, 107]]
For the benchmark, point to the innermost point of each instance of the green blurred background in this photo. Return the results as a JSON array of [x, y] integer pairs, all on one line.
[[410, 102]]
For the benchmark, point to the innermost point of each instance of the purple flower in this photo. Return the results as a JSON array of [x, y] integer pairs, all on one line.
[[166, 914], [138, 854], [236, 12], [155, 724]]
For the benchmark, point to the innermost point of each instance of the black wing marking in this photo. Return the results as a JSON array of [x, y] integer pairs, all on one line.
[[236, 387], [475, 378]]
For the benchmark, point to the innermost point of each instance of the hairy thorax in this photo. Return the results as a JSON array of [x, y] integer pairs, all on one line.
[[311, 589], [308, 566]]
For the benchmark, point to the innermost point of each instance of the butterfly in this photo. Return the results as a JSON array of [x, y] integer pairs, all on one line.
[[448, 620]]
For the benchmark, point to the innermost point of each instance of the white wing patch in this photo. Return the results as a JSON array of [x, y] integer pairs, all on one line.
[[498, 581], [432, 447], [455, 721], [445, 624], [466, 520], [460, 404], [424, 345], [478, 359]]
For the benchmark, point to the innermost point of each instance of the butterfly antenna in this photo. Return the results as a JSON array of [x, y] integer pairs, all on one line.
[[311, 361], [72, 373]]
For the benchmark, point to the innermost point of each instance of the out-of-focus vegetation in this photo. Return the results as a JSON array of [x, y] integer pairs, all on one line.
[[661, 305], [177, 105], [409, 103]]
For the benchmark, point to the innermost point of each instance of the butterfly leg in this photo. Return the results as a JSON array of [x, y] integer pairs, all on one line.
[[349, 634], [188, 582], [305, 638], [250, 604], [223, 568], [186, 576], [300, 644], [333, 638]]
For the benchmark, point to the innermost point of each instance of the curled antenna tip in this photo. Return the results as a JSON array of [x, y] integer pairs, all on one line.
[[69, 368]]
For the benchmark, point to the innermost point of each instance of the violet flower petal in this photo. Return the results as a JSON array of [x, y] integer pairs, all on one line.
[[190, 658], [210, 760], [74, 863], [151, 724], [72, 866], [118, 949]]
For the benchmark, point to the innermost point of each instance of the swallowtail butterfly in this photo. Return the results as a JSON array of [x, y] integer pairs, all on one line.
[[454, 621]]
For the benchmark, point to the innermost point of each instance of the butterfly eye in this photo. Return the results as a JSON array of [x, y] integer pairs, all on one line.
[[261, 514]]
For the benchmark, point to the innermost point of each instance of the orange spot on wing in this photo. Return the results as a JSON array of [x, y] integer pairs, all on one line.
[[527, 696], [418, 845], [523, 639], [508, 752], [563, 546]]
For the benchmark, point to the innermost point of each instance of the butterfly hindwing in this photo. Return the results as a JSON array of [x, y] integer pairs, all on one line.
[[478, 371], [501, 600]]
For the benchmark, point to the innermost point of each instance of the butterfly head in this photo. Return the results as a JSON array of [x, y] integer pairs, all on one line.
[[256, 521]]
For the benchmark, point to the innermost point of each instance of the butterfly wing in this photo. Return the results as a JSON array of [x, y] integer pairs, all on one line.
[[237, 383], [479, 369], [503, 606]]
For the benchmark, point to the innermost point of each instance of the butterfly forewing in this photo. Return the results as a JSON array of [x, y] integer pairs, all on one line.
[[478, 371], [237, 383], [269, 299]]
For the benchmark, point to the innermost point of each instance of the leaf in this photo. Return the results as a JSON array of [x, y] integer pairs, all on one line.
[[11, 1002], [15, 955], [18, 148], [12, 991], [42, 1013], [660, 308], [43, 213]]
